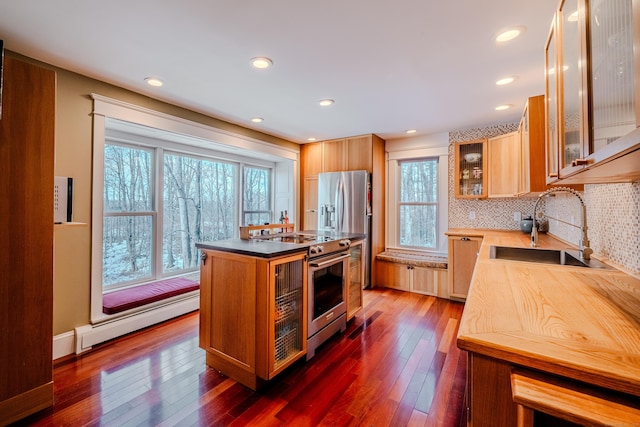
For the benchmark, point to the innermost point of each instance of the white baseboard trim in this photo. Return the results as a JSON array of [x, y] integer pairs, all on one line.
[[86, 336], [64, 344]]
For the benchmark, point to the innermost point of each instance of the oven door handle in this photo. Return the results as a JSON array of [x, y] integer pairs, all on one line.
[[328, 262]]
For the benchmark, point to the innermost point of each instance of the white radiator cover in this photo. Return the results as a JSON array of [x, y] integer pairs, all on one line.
[[87, 336]]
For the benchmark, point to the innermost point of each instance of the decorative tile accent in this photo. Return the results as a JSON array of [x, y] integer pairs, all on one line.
[[613, 210]]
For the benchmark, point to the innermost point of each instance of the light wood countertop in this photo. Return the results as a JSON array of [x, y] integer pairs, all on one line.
[[580, 323]]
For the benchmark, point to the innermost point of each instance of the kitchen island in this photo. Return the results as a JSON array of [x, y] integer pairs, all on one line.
[[254, 302], [549, 340]]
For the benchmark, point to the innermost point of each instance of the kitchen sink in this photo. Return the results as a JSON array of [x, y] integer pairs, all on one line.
[[544, 256]]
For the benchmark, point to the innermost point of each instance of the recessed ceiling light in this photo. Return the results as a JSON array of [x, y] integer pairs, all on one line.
[[506, 80], [257, 120], [503, 107], [509, 34], [153, 81], [411, 131], [261, 62], [311, 139], [326, 102]]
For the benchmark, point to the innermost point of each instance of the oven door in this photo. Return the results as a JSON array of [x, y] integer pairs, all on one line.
[[327, 290]]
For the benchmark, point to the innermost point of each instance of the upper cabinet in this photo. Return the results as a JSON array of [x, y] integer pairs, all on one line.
[[593, 92], [348, 154], [470, 166], [531, 134], [310, 159], [504, 165]]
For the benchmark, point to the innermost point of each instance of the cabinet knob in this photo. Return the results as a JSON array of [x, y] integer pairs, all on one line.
[[465, 239]]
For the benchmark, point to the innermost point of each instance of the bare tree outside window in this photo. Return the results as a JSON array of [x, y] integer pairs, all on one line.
[[418, 204], [199, 205], [128, 222], [257, 196]]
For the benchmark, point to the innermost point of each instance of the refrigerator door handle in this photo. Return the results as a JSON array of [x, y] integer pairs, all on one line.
[[340, 206]]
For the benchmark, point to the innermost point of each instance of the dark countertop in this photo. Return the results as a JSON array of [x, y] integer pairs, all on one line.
[[271, 249]]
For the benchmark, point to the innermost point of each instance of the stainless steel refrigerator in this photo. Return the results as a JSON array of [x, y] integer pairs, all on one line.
[[344, 204]]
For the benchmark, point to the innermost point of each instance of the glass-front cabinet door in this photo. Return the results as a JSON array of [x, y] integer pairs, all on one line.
[[551, 109], [571, 76], [613, 92], [470, 166]]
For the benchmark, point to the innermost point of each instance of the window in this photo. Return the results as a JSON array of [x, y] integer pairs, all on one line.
[[418, 204], [417, 193], [256, 201], [161, 184], [199, 198], [199, 203], [127, 243]]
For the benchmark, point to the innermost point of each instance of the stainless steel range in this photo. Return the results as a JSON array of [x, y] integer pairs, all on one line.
[[328, 275]]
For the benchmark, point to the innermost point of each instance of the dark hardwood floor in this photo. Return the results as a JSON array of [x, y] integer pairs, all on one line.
[[396, 365]]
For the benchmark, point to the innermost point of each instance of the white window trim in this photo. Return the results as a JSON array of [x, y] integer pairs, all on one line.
[[199, 135], [393, 194]]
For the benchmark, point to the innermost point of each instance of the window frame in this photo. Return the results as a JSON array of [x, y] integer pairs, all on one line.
[[394, 159], [271, 211], [400, 203]]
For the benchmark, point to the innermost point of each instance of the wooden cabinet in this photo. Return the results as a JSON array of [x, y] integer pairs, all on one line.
[[593, 105], [334, 155], [353, 153], [411, 278], [356, 280], [463, 252], [27, 135], [310, 203], [503, 165], [252, 322], [531, 132], [311, 158], [310, 167], [394, 275], [470, 158]]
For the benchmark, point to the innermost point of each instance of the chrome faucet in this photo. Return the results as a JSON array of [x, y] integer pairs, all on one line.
[[585, 250]]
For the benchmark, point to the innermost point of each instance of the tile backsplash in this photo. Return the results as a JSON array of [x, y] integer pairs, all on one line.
[[613, 210], [613, 221]]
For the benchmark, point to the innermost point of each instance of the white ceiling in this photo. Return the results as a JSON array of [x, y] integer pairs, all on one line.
[[390, 65]]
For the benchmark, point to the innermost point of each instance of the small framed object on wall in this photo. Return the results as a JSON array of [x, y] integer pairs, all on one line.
[[62, 199]]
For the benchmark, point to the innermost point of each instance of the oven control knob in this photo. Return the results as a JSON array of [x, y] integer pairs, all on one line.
[[315, 249], [345, 242]]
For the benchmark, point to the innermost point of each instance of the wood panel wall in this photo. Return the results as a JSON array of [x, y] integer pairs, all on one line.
[[26, 239]]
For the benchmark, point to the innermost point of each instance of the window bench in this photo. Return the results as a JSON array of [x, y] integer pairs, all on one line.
[[413, 272], [137, 296]]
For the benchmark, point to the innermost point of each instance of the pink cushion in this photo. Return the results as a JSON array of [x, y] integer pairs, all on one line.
[[125, 299]]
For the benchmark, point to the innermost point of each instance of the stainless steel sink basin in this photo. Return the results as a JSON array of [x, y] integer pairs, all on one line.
[[544, 256]]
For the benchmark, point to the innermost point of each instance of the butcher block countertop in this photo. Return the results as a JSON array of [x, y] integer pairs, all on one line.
[[576, 322]]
